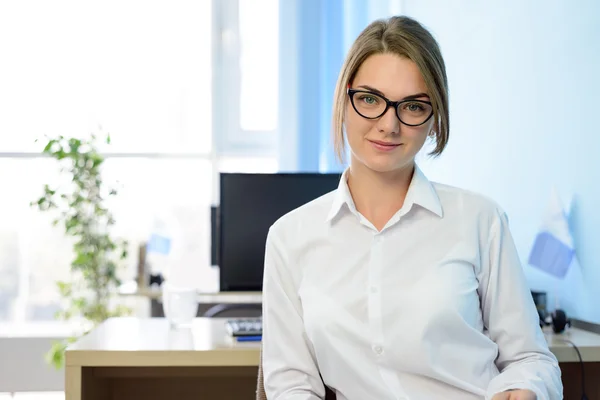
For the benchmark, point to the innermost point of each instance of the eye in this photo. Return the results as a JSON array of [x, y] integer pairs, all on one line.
[[369, 99], [414, 107]]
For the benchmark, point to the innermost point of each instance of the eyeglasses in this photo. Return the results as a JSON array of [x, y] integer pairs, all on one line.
[[372, 106]]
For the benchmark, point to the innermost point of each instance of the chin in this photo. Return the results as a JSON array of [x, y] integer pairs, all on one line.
[[383, 165], [384, 162]]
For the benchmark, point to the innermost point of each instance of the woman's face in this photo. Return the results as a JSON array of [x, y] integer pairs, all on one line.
[[385, 144]]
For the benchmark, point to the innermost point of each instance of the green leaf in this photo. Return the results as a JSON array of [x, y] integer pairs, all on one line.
[[65, 288], [71, 223], [79, 302], [56, 355], [82, 259], [49, 146], [96, 159], [74, 145], [48, 191], [121, 311]]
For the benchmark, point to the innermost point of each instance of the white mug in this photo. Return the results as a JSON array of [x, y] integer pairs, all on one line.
[[180, 304]]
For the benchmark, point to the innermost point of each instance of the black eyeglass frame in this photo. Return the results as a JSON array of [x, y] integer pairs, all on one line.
[[389, 103]]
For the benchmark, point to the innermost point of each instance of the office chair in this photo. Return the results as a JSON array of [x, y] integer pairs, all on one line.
[[260, 388]]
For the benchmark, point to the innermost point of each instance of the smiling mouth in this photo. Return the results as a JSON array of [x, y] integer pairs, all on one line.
[[384, 145]]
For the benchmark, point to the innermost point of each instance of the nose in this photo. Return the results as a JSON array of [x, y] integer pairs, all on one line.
[[388, 123]]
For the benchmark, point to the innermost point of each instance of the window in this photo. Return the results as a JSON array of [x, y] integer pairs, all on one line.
[[141, 70], [259, 61], [247, 90], [147, 73]]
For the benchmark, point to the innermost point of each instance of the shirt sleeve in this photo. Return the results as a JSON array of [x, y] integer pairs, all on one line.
[[289, 365], [512, 321]]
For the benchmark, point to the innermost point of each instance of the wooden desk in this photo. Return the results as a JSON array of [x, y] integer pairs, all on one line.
[[589, 346], [155, 293], [129, 358]]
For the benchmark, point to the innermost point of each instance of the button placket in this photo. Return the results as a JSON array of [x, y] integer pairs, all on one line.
[[374, 294]]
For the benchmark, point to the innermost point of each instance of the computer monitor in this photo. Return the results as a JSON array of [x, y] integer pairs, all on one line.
[[249, 205]]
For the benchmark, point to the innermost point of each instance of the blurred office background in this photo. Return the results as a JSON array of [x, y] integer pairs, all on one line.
[[188, 89]]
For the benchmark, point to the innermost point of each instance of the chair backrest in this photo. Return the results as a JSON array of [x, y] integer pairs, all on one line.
[[260, 387]]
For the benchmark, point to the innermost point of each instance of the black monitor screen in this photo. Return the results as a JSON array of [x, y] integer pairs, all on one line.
[[249, 205]]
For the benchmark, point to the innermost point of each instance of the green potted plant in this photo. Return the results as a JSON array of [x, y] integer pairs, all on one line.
[[80, 207]]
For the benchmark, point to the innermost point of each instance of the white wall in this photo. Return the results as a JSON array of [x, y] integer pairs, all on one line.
[[525, 99], [23, 348], [23, 367]]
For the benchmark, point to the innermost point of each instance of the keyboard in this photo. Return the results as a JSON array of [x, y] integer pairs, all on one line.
[[244, 327]]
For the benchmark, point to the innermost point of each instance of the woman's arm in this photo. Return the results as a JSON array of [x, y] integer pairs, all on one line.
[[509, 314], [289, 366]]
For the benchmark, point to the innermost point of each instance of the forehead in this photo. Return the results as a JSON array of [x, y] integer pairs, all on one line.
[[393, 75]]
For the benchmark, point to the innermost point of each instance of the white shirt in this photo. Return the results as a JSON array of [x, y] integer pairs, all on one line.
[[434, 306]]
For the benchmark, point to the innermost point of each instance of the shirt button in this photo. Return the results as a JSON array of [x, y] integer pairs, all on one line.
[[378, 349]]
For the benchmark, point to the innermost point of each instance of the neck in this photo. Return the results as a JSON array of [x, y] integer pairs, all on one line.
[[378, 195]]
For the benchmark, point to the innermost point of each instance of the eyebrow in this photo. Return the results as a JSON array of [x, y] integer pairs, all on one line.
[[379, 92]]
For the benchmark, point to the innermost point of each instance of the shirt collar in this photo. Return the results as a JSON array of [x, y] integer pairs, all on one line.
[[342, 196], [420, 191]]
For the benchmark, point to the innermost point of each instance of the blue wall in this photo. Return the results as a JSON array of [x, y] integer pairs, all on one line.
[[525, 99]]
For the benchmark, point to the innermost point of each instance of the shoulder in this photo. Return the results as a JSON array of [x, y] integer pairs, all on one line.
[[300, 220], [466, 204], [292, 234]]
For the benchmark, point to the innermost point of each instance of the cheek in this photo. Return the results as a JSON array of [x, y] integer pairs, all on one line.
[[356, 126], [417, 134]]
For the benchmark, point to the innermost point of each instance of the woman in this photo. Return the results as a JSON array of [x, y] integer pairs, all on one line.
[[394, 287]]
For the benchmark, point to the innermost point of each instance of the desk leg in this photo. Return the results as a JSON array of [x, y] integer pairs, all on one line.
[[82, 384], [72, 383]]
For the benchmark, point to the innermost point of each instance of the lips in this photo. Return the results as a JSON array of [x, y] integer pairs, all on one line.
[[384, 143], [384, 146]]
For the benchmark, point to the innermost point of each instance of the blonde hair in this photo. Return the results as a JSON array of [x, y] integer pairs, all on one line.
[[407, 38]]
